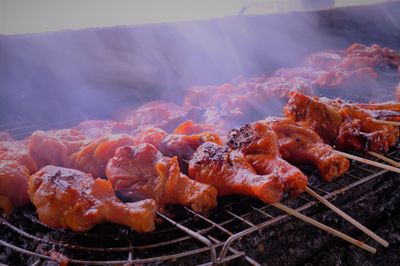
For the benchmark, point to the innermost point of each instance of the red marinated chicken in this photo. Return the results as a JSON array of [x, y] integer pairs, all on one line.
[[18, 151], [344, 125], [300, 144], [229, 171], [55, 147], [67, 198], [16, 164], [142, 172], [94, 156], [13, 185], [164, 115], [99, 128], [259, 144], [179, 145]]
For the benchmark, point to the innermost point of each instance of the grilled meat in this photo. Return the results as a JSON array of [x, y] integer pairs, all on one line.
[[18, 151], [171, 145], [344, 125], [67, 198], [142, 172], [231, 174], [259, 144], [300, 144], [93, 157], [13, 185], [99, 128], [55, 147], [164, 115], [189, 128]]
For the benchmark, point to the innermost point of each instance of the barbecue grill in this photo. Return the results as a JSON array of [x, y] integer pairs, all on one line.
[[241, 229]]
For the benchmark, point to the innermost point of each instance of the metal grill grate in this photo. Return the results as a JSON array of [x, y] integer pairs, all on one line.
[[181, 234]]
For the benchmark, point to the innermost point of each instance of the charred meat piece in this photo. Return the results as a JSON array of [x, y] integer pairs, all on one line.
[[300, 144], [260, 146], [55, 147], [93, 157], [323, 118], [359, 132], [229, 171], [344, 125], [13, 185], [142, 172], [67, 198]]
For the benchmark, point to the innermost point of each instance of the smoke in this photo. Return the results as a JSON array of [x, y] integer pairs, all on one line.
[[67, 76]]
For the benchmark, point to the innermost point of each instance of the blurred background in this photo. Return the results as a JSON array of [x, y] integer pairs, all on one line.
[[20, 16]]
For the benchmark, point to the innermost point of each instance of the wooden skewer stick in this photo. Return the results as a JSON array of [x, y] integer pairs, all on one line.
[[324, 227], [385, 122], [366, 161], [383, 158], [347, 217]]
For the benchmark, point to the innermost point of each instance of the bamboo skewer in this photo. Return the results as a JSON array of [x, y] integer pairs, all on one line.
[[324, 227], [383, 158], [385, 122], [347, 217], [366, 161]]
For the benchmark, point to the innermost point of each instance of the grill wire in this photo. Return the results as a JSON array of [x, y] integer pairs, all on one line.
[[181, 232]]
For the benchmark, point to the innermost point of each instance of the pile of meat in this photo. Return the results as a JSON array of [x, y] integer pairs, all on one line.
[[162, 153]]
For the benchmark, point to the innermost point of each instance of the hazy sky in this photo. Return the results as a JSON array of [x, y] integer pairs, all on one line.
[[24, 16]]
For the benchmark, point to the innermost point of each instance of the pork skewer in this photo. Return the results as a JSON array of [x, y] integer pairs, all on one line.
[[297, 144], [250, 158]]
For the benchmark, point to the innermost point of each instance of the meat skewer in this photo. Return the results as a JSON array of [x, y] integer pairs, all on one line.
[[258, 144], [68, 198], [142, 172], [294, 142]]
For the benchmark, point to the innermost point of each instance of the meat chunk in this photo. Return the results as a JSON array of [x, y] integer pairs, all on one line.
[[338, 123], [300, 144], [13, 185], [324, 119], [142, 172], [67, 198], [55, 147], [18, 151], [359, 132], [189, 127], [260, 146], [229, 171], [182, 146], [99, 128], [93, 157], [164, 115]]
